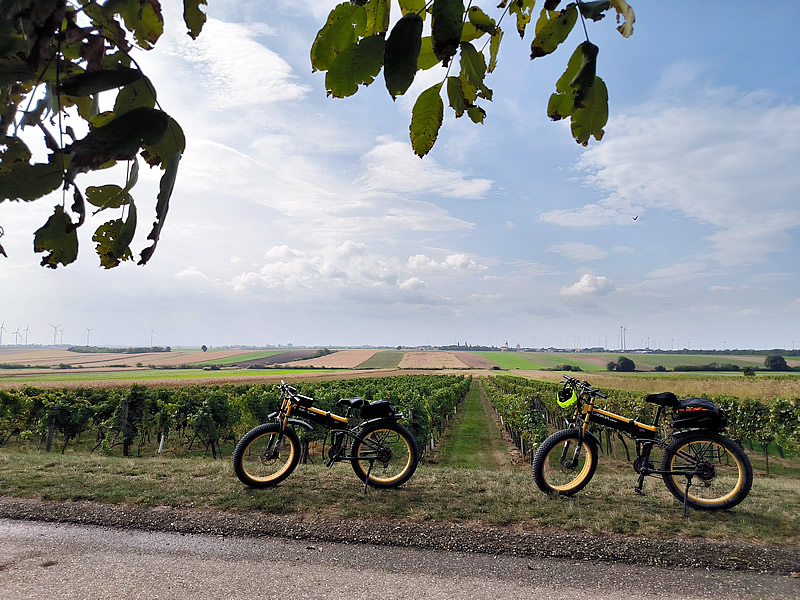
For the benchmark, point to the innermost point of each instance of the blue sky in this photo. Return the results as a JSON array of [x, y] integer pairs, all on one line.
[[303, 219]]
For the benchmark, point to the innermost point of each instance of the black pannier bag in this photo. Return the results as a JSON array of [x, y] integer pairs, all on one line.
[[380, 409], [692, 413]]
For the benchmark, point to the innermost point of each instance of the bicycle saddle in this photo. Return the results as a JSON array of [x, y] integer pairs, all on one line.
[[351, 402], [663, 399]]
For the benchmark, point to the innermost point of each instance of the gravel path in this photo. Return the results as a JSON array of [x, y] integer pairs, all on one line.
[[545, 542]]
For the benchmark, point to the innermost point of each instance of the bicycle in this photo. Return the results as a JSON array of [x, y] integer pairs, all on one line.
[[717, 472], [382, 452]]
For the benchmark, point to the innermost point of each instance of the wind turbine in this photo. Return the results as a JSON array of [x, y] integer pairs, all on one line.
[[17, 335], [55, 331], [88, 329], [62, 335], [152, 331], [2, 329], [26, 331]]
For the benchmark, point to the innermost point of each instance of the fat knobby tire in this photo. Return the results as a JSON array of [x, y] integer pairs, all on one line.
[[248, 457], [547, 465]]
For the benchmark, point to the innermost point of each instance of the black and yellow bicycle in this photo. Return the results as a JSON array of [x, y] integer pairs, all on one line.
[[383, 453], [699, 466]]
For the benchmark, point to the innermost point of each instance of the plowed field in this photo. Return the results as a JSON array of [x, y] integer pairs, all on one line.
[[343, 359], [431, 360]]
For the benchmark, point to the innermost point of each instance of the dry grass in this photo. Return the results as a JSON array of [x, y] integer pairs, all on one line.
[[762, 387]]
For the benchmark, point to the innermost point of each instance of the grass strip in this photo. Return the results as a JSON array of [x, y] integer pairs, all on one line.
[[473, 440], [770, 515]]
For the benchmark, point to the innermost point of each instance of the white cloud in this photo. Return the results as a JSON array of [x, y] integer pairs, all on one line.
[[452, 262], [235, 70], [726, 160], [590, 285], [392, 166], [578, 251]]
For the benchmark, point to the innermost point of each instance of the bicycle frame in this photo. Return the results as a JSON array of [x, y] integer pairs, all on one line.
[[644, 435], [294, 404]]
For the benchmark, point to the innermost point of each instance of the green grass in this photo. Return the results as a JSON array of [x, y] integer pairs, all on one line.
[[385, 359], [149, 374], [493, 497], [512, 360], [473, 440]]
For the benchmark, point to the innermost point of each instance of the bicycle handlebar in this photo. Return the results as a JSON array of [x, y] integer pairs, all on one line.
[[584, 386]]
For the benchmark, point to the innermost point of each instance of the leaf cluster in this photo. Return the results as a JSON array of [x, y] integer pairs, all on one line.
[[56, 58], [355, 44]]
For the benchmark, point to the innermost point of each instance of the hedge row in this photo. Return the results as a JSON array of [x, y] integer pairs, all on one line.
[[206, 415], [748, 418]]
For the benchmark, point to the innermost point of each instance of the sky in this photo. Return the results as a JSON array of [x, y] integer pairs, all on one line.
[[307, 220]]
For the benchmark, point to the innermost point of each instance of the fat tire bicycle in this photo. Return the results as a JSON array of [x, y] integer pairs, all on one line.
[[382, 452], [699, 466]]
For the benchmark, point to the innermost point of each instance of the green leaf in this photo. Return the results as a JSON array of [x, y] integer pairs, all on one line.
[[476, 114], [377, 12], [426, 120], [455, 94], [401, 54], [471, 33], [92, 82], [194, 17], [166, 185], [448, 19], [142, 17], [135, 95], [585, 77], [494, 49], [20, 180], [594, 10], [427, 58], [481, 20], [523, 10], [58, 236], [172, 143], [473, 70], [592, 116], [120, 139], [107, 196], [551, 29], [358, 64], [345, 23], [113, 240], [416, 7]]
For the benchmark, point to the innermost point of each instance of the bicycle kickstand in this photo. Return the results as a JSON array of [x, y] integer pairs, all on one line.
[[366, 479], [686, 495]]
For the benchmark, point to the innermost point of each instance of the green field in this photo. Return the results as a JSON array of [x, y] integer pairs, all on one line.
[[385, 359], [147, 374], [512, 360]]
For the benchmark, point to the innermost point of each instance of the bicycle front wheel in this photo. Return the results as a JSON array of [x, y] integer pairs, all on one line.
[[385, 455], [721, 472], [564, 463], [264, 457]]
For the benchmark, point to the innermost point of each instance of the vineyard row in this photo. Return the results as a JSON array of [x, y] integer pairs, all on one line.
[[133, 417]]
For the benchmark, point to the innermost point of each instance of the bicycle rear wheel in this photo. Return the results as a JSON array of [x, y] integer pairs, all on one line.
[[264, 457], [564, 464], [721, 472], [386, 454]]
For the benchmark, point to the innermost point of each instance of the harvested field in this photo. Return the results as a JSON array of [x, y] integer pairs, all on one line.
[[277, 359], [431, 360], [476, 361], [51, 358], [342, 359]]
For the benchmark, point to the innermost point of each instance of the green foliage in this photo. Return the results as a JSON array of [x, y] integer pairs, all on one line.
[[349, 47], [59, 56], [625, 365], [775, 362]]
